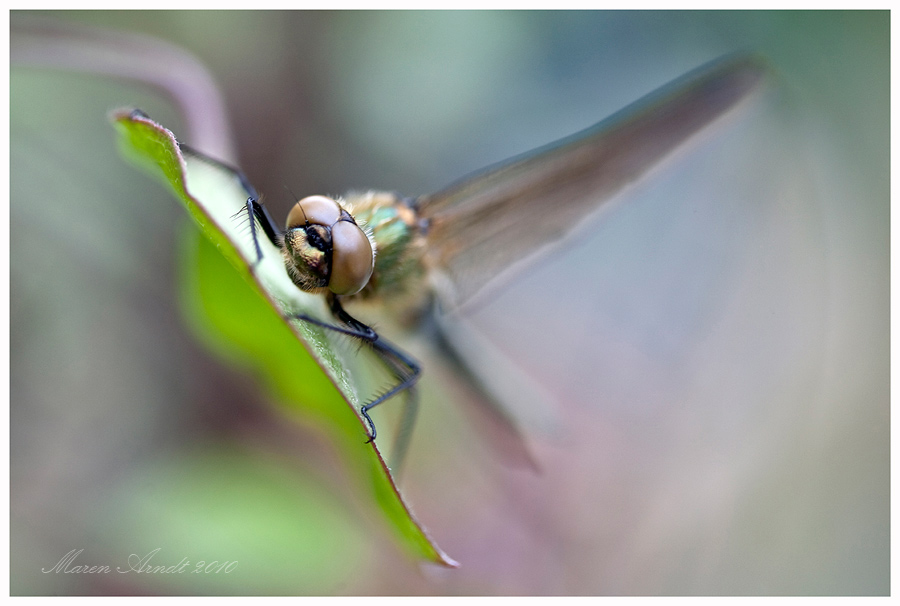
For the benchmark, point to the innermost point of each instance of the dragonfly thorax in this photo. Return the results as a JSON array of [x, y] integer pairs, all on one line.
[[325, 248]]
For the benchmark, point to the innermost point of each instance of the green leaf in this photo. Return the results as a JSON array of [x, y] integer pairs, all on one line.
[[241, 314], [286, 533]]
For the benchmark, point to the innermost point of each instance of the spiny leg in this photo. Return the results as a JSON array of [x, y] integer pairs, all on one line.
[[407, 371], [256, 212], [404, 368]]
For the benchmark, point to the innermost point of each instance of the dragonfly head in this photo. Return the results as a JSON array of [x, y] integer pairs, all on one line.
[[325, 248]]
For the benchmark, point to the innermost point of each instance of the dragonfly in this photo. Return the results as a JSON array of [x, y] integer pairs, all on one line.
[[405, 251]]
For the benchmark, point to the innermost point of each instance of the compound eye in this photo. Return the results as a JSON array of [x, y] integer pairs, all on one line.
[[317, 210], [352, 258]]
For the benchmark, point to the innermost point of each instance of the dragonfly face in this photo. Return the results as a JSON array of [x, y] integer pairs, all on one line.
[[376, 245], [323, 247]]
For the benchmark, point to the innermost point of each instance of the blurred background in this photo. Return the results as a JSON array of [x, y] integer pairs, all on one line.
[[715, 351]]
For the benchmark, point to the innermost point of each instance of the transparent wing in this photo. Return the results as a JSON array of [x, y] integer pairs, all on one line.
[[488, 223]]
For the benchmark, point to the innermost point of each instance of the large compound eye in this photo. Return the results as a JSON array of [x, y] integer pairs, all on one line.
[[352, 258], [317, 210]]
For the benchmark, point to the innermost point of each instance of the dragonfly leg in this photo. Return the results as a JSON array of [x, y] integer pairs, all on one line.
[[407, 372], [405, 369], [257, 214]]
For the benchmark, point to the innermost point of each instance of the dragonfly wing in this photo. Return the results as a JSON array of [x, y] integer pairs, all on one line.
[[491, 222]]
